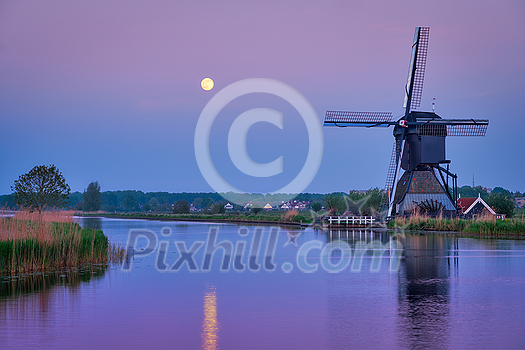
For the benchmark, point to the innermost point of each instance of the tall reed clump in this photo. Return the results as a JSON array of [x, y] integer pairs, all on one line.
[[485, 225], [289, 215], [421, 222], [38, 242]]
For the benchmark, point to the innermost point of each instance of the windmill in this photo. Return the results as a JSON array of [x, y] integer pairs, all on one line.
[[419, 145]]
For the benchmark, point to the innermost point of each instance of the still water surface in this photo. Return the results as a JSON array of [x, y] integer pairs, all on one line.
[[448, 292]]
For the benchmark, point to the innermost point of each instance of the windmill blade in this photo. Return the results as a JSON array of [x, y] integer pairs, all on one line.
[[389, 183], [453, 127], [365, 119], [396, 177], [416, 70]]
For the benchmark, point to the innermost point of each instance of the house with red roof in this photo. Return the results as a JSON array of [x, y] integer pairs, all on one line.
[[472, 208]]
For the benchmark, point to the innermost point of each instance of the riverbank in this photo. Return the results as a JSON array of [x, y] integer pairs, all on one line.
[[268, 219], [484, 227], [487, 228], [31, 242]]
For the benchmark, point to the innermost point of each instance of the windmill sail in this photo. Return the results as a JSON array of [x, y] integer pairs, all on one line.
[[416, 70], [366, 119], [448, 128]]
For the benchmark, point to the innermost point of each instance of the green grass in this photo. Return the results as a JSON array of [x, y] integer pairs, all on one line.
[[263, 216], [511, 226], [487, 228], [519, 213]]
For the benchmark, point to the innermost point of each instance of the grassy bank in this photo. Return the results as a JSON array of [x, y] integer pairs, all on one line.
[[289, 217], [39, 242], [486, 227]]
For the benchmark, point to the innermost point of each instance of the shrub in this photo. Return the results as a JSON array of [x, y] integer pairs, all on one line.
[[298, 218]]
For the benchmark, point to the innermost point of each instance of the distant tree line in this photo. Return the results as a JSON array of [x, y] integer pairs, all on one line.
[[130, 200], [93, 199], [354, 203], [337, 203]]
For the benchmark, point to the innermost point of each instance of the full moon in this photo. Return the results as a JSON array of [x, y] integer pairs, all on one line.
[[207, 84]]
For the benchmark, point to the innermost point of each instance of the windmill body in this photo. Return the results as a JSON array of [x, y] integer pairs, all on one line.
[[422, 156], [418, 176]]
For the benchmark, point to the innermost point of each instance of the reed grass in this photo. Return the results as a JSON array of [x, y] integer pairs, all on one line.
[[32, 242], [486, 226]]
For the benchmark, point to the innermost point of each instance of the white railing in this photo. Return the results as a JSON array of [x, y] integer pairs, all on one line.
[[350, 220]]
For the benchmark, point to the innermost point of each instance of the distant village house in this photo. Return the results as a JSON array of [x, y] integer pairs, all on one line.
[[473, 208], [519, 202]]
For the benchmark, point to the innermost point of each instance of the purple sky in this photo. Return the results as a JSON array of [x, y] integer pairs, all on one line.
[[110, 90]]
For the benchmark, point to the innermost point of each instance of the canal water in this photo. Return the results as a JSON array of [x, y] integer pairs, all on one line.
[[263, 288]]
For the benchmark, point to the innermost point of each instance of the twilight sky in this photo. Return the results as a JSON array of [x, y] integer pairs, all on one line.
[[110, 90]]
